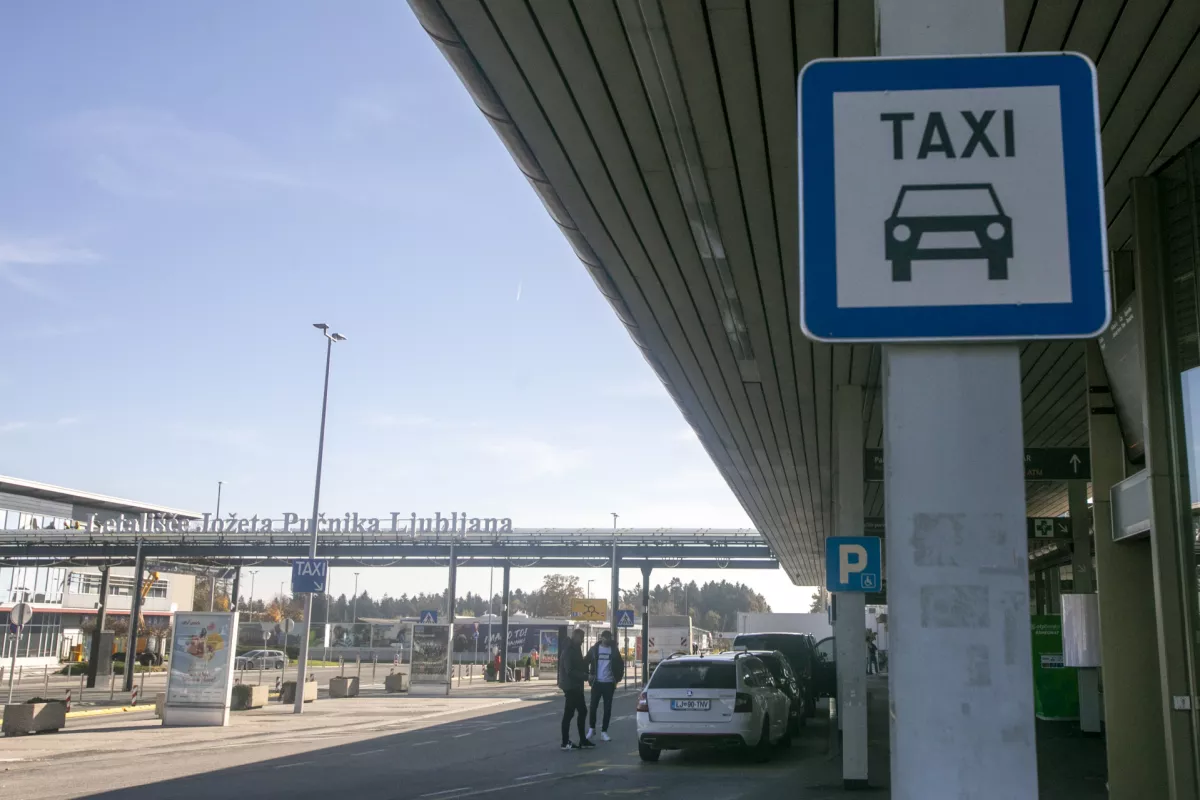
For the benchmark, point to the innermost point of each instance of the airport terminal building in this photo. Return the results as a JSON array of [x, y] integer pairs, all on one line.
[[65, 596]]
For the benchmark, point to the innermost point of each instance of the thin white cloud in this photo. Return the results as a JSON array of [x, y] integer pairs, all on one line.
[[233, 438], [522, 455], [649, 387], [384, 420], [9, 427], [21, 259], [685, 434], [143, 153], [65, 421], [365, 112]]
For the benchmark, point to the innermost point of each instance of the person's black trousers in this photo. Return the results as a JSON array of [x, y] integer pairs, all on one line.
[[601, 691], [574, 704]]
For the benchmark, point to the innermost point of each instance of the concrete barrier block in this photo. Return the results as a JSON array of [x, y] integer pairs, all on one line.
[[20, 718], [343, 686], [396, 682]]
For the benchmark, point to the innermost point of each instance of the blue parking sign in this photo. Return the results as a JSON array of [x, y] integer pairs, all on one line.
[[853, 563]]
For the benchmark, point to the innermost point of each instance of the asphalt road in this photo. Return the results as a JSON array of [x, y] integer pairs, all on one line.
[[511, 753]]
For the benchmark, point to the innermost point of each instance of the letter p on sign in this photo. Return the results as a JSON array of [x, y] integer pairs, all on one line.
[[852, 558], [853, 564]]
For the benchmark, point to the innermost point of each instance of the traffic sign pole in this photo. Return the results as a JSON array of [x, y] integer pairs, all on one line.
[[957, 568]]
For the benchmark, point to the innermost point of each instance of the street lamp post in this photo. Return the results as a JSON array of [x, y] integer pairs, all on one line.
[[355, 614], [302, 662], [212, 580]]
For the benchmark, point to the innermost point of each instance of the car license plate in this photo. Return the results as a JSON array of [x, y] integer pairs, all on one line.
[[691, 705]]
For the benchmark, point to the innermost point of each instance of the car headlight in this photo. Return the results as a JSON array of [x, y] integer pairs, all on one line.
[[901, 233], [996, 231]]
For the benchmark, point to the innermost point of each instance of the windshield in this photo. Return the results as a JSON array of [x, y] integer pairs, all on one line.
[[946, 201], [715, 675]]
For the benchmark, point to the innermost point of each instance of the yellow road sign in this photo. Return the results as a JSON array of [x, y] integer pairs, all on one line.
[[589, 610]]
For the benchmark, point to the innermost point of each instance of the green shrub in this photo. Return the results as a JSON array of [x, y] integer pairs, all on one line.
[[241, 695], [62, 700]]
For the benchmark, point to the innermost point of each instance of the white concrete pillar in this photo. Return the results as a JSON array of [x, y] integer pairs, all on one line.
[[850, 624]]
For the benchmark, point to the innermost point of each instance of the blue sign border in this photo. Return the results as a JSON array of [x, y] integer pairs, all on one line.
[[1089, 311]]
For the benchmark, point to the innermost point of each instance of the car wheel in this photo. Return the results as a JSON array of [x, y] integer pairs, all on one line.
[[901, 270], [762, 751], [648, 754], [997, 269], [278, 665]]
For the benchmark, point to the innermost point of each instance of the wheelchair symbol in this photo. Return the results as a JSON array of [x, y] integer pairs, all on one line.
[[868, 581]]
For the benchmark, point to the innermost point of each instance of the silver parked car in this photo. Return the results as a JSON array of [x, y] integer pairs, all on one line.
[[261, 659]]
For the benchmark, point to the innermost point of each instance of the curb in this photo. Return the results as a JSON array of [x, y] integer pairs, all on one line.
[[102, 712]]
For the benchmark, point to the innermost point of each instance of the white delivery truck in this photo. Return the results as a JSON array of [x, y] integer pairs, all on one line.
[[670, 634]]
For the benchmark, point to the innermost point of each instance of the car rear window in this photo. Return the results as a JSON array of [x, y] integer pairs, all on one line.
[[715, 675], [774, 665]]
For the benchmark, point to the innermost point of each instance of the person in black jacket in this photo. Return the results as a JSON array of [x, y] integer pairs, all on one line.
[[572, 672]]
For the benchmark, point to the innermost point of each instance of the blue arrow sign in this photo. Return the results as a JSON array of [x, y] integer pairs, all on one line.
[[625, 618], [429, 617], [951, 198], [309, 575], [853, 564]]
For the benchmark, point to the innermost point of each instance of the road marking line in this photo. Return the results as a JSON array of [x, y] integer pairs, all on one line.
[[461, 735], [369, 752], [447, 791], [422, 744], [293, 764], [531, 777]]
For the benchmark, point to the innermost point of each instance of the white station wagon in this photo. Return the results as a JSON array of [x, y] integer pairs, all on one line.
[[728, 700]]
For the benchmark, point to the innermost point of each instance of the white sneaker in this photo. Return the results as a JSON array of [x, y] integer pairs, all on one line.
[[591, 732], [604, 737]]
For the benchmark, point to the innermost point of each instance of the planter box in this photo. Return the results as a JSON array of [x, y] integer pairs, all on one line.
[[287, 693], [160, 700], [247, 697], [396, 682], [22, 718], [343, 687]]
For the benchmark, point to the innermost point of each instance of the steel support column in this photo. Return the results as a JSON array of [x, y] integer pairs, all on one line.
[[1172, 538], [101, 617], [1082, 583], [646, 624], [1137, 765], [139, 567]]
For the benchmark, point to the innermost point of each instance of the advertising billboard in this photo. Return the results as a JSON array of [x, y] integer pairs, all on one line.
[[589, 610], [430, 656], [200, 678]]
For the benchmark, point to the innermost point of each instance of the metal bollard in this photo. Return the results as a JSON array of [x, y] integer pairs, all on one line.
[[133, 697], [143, 689], [46, 680], [358, 662], [68, 701], [82, 684], [112, 685], [374, 666], [260, 671]]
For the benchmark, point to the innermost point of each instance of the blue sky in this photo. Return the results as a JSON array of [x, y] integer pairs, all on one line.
[[188, 188]]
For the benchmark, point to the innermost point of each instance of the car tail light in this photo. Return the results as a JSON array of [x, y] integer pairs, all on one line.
[[643, 703], [744, 704]]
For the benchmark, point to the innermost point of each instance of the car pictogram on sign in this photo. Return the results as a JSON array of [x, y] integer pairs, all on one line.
[[950, 221]]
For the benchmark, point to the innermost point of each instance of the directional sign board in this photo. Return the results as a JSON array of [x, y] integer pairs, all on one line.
[[1041, 464], [951, 198], [428, 617], [309, 575], [589, 610], [625, 618], [853, 564], [1038, 527]]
